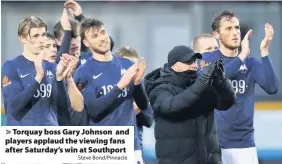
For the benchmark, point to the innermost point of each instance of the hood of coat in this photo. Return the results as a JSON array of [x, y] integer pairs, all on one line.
[[165, 75]]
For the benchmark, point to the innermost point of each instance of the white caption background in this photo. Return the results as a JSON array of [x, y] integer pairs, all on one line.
[[7, 133]]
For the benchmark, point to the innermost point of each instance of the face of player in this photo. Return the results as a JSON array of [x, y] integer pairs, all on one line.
[[207, 45], [75, 46], [50, 50], [35, 41], [229, 33], [97, 39], [188, 66]]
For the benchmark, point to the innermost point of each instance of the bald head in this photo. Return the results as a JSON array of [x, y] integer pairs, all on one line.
[[204, 43]]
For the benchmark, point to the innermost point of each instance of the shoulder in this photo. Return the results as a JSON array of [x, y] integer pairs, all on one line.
[[9, 65], [81, 69], [209, 56], [85, 55], [124, 62], [252, 61]]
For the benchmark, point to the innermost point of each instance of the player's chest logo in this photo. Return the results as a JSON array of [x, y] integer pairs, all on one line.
[[243, 68], [49, 74]]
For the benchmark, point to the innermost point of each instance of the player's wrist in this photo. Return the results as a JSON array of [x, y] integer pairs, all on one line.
[[39, 77], [69, 80], [264, 52], [121, 86], [243, 55], [59, 77]]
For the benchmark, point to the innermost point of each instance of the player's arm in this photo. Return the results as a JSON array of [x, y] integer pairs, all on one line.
[[59, 91], [14, 94], [265, 75], [67, 36], [144, 117], [225, 95], [78, 115], [75, 9], [140, 97], [61, 99], [139, 93], [96, 107], [76, 98]]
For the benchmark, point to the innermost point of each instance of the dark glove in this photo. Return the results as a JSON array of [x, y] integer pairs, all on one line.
[[208, 72], [219, 74]]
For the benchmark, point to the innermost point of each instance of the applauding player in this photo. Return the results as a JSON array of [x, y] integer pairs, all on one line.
[[106, 81], [33, 89], [143, 117], [235, 126]]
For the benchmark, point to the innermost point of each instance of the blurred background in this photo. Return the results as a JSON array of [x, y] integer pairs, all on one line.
[[153, 28]]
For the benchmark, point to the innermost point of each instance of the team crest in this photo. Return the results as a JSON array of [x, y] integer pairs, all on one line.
[[49, 74], [6, 81], [203, 63], [243, 68]]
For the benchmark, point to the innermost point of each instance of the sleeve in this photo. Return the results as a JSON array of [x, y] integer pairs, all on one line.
[[65, 45], [97, 107], [140, 97], [59, 95], [61, 99], [79, 18], [265, 75], [165, 103], [225, 95], [145, 117], [16, 98], [78, 118], [230, 68]]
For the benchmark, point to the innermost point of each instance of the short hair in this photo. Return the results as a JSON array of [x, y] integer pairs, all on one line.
[[112, 43], [224, 14], [50, 36], [195, 41], [88, 24], [28, 23], [58, 29], [127, 52]]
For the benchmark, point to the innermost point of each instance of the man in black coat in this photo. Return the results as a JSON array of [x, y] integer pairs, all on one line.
[[183, 101]]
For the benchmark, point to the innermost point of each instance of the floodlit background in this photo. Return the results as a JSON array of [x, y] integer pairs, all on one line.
[[153, 28]]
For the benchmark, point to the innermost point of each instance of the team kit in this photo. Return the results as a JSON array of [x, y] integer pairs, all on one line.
[[201, 100]]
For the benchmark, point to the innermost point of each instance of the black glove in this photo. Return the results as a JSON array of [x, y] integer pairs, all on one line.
[[219, 74], [208, 72]]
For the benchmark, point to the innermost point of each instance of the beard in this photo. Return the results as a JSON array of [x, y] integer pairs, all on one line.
[[100, 51], [231, 47]]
